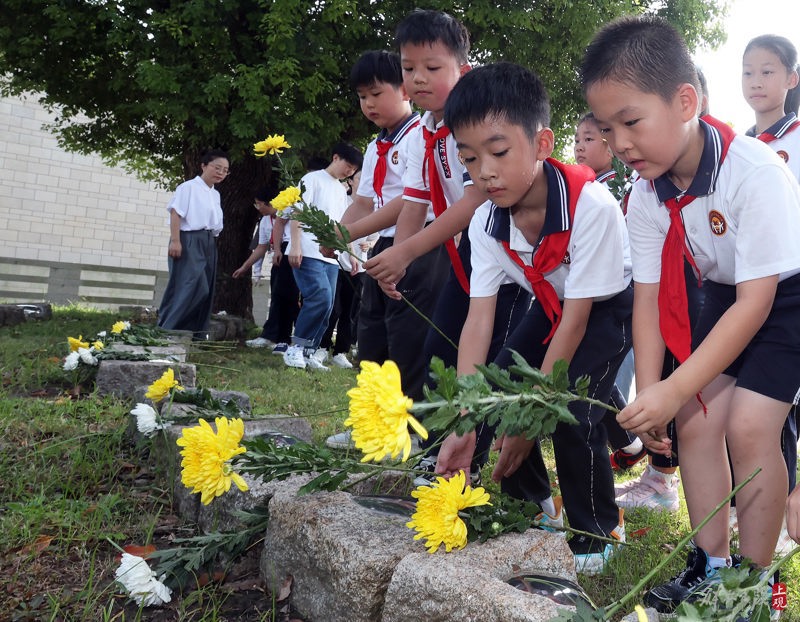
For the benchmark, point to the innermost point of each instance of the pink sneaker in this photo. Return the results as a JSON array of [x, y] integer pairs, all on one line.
[[650, 491]]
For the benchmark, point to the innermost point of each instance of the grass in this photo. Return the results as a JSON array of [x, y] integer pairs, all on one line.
[[70, 483]]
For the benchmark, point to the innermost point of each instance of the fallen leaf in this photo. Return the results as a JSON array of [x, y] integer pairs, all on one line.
[[640, 532], [37, 546], [138, 550], [286, 588]]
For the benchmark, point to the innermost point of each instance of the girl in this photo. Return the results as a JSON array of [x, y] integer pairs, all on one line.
[[195, 220], [592, 150], [769, 84]]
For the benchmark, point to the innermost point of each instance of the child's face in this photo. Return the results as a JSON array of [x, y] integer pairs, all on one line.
[[341, 168], [765, 81], [502, 159], [591, 149], [647, 133], [430, 71], [384, 104], [264, 208]]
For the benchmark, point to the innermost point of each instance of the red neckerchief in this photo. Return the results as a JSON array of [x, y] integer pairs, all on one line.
[[438, 202], [379, 175], [768, 138], [673, 305], [553, 247]]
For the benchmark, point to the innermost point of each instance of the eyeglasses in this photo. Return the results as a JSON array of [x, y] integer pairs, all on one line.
[[221, 170]]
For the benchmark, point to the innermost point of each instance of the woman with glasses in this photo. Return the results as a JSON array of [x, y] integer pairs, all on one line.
[[195, 221]]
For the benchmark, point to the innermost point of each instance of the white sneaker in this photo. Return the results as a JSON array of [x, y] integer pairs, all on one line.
[[259, 342], [340, 360], [554, 523], [293, 357], [342, 440], [651, 491], [321, 354], [312, 362]]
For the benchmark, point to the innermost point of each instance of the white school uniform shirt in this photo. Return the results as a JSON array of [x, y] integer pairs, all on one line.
[[743, 225], [452, 173], [198, 205], [265, 230], [396, 160], [599, 264], [330, 196], [786, 143]]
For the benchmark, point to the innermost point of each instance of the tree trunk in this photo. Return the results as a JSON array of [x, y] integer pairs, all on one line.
[[235, 296]]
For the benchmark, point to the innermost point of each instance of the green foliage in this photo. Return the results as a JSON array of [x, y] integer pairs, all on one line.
[[504, 515], [520, 400], [152, 84]]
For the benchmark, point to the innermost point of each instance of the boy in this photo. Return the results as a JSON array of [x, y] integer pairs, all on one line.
[[315, 273], [434, 48], [389, 329], [549, 228], [729, 206]]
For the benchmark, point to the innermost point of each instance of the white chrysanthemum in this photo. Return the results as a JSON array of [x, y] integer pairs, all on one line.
[[72, 360], [146, 419], [87, 356], [140, 582]]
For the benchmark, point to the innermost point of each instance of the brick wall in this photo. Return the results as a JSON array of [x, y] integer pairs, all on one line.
[[59, 208]]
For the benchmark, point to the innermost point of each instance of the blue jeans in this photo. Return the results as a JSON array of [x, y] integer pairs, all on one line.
[[316, 280]]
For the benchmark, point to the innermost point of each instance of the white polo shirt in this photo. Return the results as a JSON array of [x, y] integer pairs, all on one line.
[[265, 230], [396, 160], [198, 205], [452, 173], [329, 195], [744, 225], [599, 264], [786, 143]]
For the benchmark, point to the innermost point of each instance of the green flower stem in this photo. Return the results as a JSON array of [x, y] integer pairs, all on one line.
[[420, 407], [428, 320], [634, 592]]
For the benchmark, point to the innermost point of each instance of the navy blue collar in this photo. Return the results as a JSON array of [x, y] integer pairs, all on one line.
[[556, 218], [705, 179], [776, 129], [401, 130]]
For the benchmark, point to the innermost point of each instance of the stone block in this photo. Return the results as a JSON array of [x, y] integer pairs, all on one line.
[[176, 353], [652, 616], [470, 585], [340, 554], [226, 328], [37, 310], [122, 378], [139, 314], [11, 315]]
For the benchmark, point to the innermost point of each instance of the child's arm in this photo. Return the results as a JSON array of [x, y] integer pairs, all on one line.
[[657, 404], [361, 207], [258, 252], [277, 239], [296, 254], [473, 346], [390, 265], [377, 220], [568, 336]]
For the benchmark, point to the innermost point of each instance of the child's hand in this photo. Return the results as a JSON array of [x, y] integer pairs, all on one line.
[[456, 454], [513, 452], [276, 257], [389, 265], [648, 415], [390, 289], [239, 272], [295, 258], [175, 249]]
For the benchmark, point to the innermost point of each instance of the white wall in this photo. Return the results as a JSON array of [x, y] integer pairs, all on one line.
[[59, 207]]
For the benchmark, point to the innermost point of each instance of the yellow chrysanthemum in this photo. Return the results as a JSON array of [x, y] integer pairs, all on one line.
[[206, 456], [379, 413], [286, 198], [98, 345], [161, 387], [76, 344], [272, 144], [118, 327], [437, 519]]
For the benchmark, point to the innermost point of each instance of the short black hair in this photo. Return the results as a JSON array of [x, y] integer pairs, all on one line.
[[212, 154], [499, 91], [787, 54], [376, 66], [264, 194], [348, 153], [423, 26], [645, 52]]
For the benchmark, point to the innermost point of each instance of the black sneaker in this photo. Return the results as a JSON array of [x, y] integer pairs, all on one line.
[[688, 585], [623, 461], [428, 476]]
